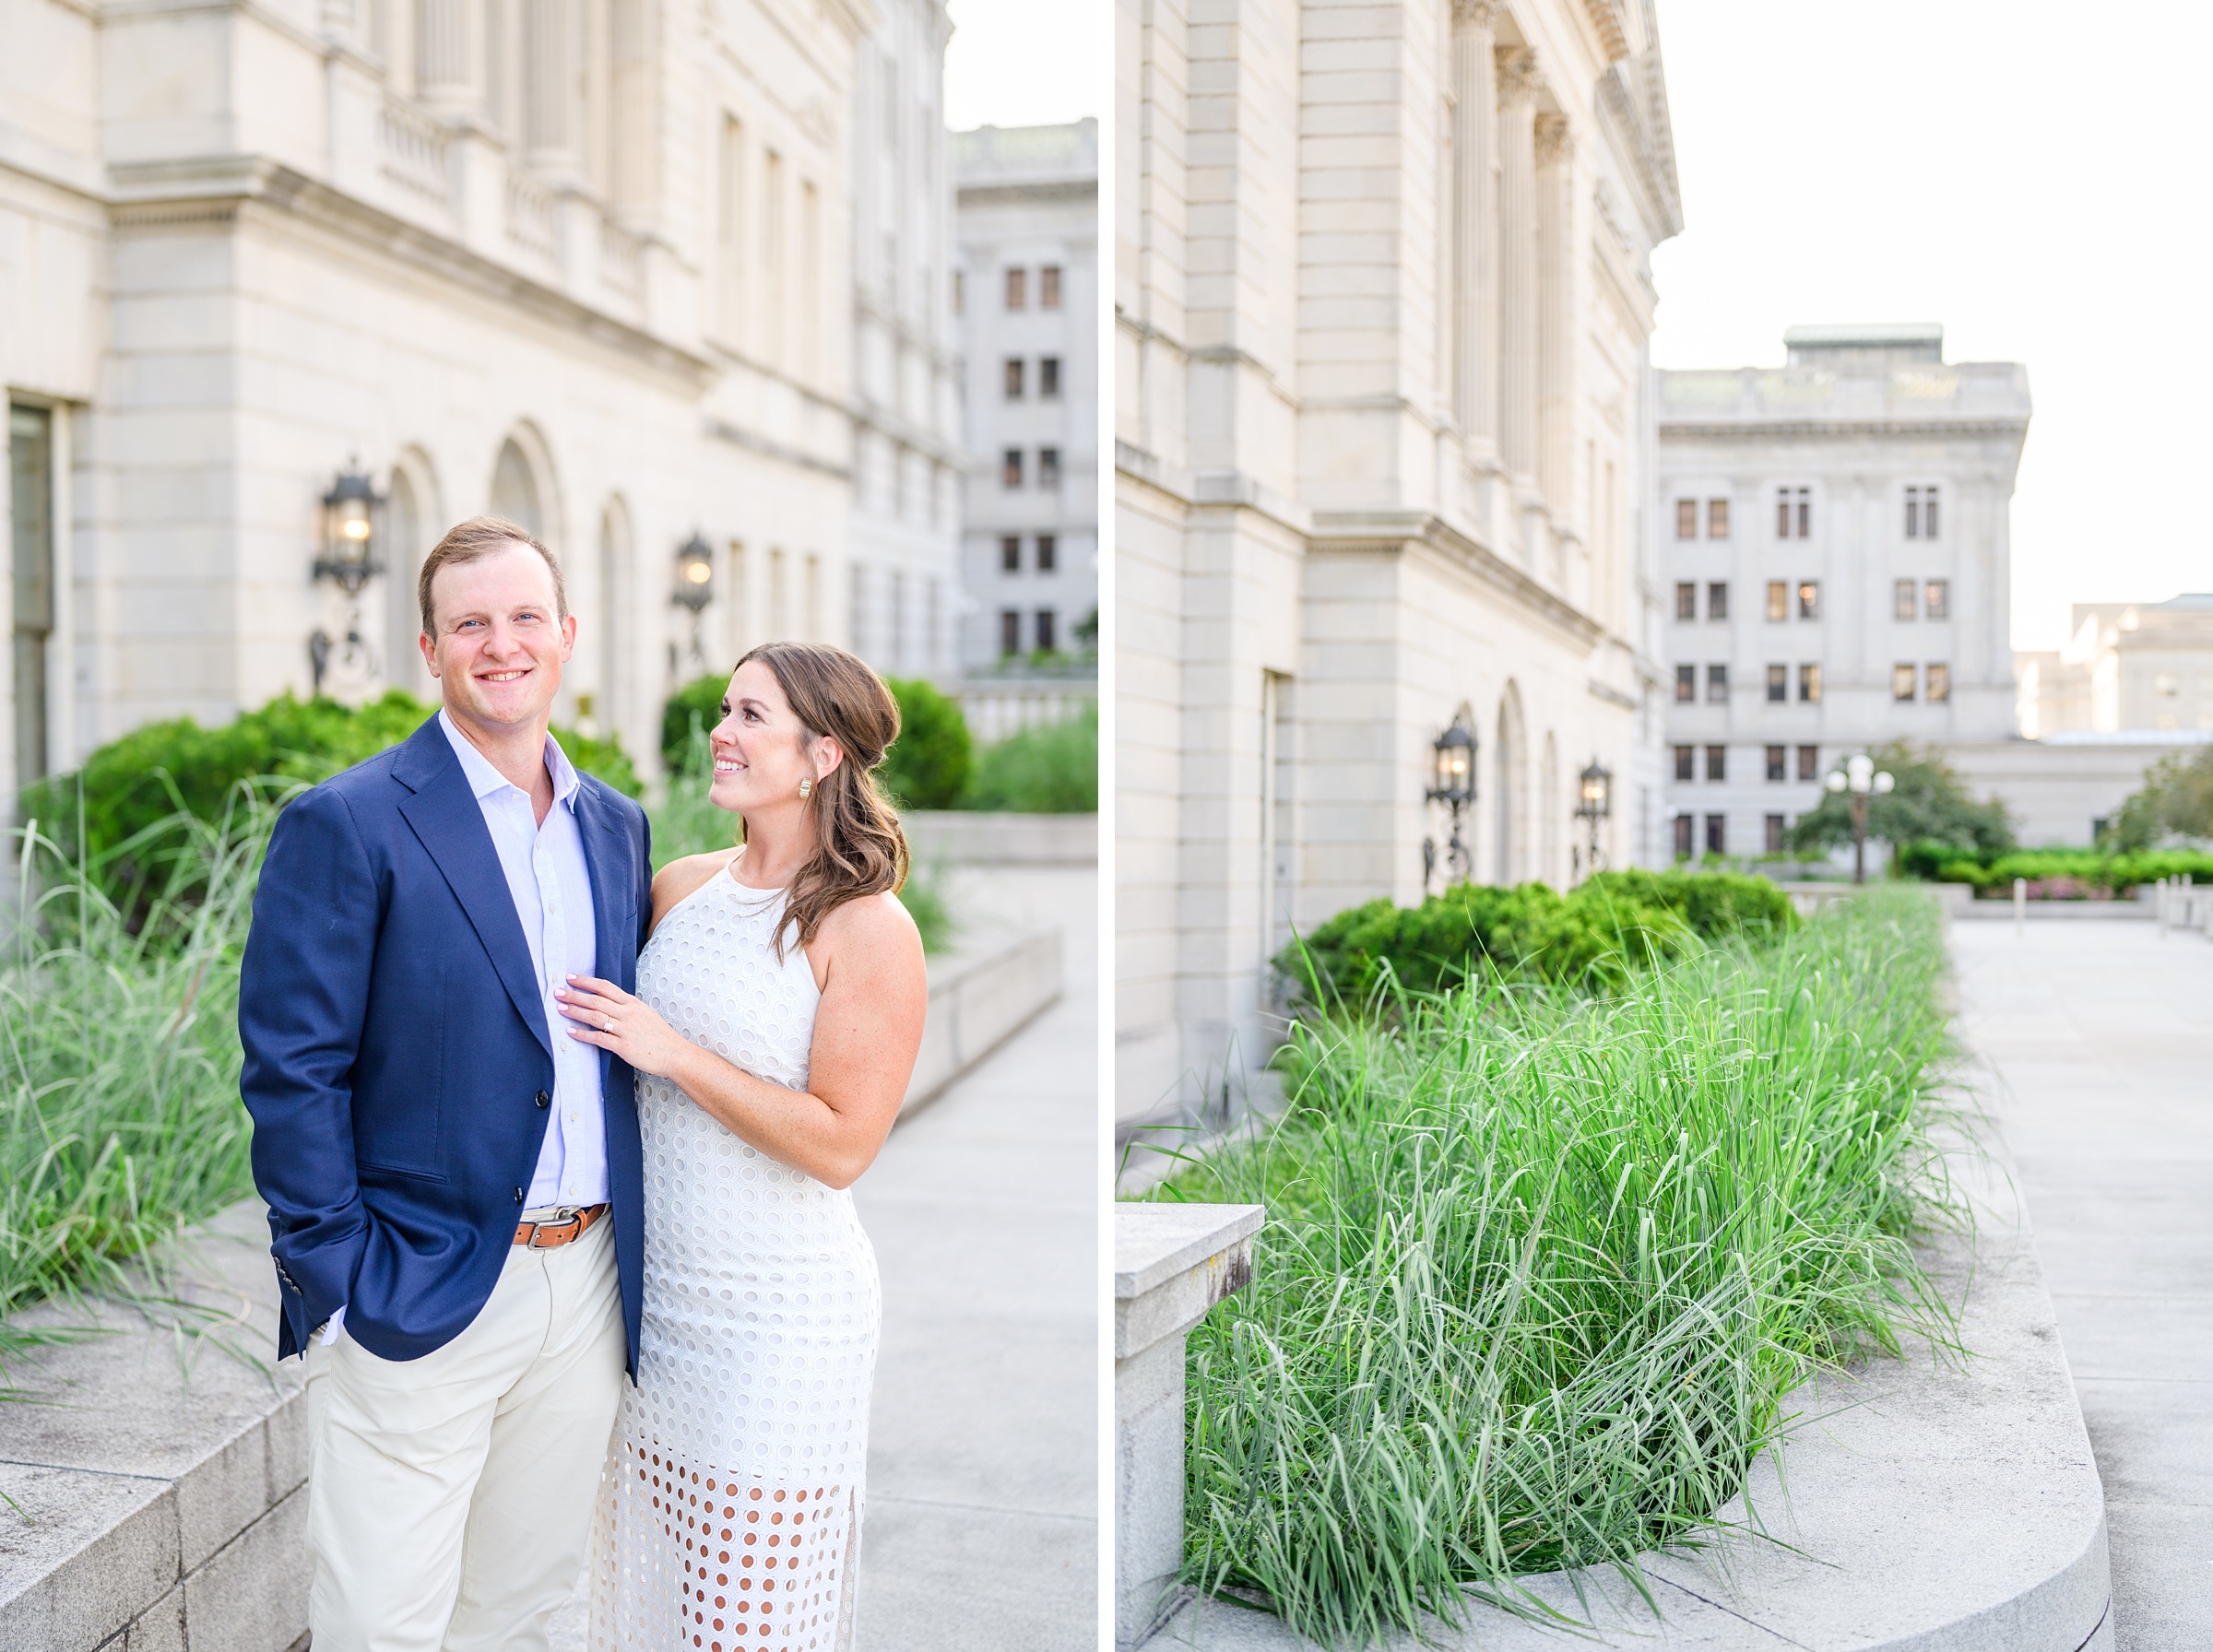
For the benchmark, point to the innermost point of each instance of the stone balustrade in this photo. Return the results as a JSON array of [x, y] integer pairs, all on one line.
[[2178, 903], [1172, 1263]]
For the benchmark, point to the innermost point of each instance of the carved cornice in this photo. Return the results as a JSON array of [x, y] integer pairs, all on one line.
[[1612, 26], [1518, 74], [1762, 430], [1475, 13]]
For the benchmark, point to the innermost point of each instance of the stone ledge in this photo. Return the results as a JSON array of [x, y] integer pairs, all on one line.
[[978, 1001], [973, 837], [1931, 1508]]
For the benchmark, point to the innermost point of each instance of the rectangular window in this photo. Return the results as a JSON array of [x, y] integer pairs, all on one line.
[[1775, 829], [1805, 515], [1048, 286], [1939, 682], [772, 248], [1716, 519], [960, 293], [1928, 512], [1901, 682], [1046, 644], [1717, 685], [1009, 469], [1009, 554], [1809, 762], [1686, 599], [1779, 762], [1779, 685], [1901, 599], [1936, 600], [1013, 378], [1018, 288], [729, 228], [1009, 630], [1686, 762], [1794, 506], [1048, 468], [1717, 599], [1778, 600], [1686, 828], [1809, 599], [1686, 683], [1717, 834], [1782, 514], [1717, 762], [1047, 553], [1048, 378], [1912, 513], [1809, 684], [1687, 519], [30, 512]]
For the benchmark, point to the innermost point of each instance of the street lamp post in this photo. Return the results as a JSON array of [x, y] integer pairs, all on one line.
[[1859, 776], [1594, 805], [694, 588], [348, 560], [1452, 783]]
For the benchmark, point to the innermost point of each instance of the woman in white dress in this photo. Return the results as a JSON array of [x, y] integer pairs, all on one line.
[[779, 1007]]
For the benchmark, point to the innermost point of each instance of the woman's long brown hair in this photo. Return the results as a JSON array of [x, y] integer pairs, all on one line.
[[860, 848]]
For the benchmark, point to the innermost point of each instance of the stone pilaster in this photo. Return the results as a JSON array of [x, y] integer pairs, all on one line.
[[448, 41], [1517, 71], [1475, 225], [551, 117], [1557, 312]]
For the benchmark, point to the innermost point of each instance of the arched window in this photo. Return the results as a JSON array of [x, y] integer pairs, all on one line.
[[411, 515], [515, 493]]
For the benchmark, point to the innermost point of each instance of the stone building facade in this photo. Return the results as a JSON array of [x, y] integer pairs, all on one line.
[[590, 262], [1833, 541], [1383, 430], [1029, 240], [2125, 666]]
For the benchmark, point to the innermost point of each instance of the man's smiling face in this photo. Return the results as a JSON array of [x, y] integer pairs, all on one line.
[[500, 642]]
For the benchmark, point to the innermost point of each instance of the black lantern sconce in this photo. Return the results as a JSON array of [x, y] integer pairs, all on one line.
[[694, 589], [348, 560], [1453, 783], [1594, 804]]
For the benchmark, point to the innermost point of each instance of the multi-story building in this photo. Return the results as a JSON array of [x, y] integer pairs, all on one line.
[[587, 266], [907, 458], [1383, 425], [2124, 666], [1028, 231], [1833, 544]]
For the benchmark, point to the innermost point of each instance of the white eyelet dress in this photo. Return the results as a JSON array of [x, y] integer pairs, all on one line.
[[729, 1520]]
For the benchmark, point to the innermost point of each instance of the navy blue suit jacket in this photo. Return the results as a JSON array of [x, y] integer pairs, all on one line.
[[397, 1060]]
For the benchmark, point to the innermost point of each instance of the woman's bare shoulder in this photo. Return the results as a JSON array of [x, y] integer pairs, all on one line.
[[680, 878]]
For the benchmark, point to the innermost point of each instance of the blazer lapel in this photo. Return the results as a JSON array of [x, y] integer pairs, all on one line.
[[444, 813], [614, 923]]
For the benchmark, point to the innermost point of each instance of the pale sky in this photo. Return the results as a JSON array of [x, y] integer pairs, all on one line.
[[2030, 174], [1027, 63]]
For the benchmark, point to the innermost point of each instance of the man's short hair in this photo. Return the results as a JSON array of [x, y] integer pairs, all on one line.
[[472, 541]]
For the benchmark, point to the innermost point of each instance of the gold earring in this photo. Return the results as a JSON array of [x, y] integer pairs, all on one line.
[[806, 788]]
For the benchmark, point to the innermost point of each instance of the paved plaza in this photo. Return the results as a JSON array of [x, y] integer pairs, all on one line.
[[2101, 1035]]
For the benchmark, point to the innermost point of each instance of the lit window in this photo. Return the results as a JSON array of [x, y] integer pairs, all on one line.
[[1686, 599], [1901, 599], [1009, 469], [1902, 679], [1775, 828], [1686, 762], [1717, 685], [1809, 599], [1048, 286], [1686, 682], [1938, 681], [1809, 683], [1779, 684], [1717, 762], [1778, 763], [1936, 600], [1048, 468], [1809, 762], [1778, 600], [1009, 554], [1013, 378], [1717, 600], [1048, 553], [1687, 519], [1716, 519], [1049, 377], [1017, 289]]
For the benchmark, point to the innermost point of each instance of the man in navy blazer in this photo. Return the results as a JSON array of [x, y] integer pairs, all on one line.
[[453, 1181]]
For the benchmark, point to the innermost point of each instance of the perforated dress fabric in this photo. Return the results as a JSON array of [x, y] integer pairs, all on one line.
[[730, 1514]]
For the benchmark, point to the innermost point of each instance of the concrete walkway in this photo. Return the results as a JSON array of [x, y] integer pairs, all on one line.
[[2101, 1035], [982, 1531]]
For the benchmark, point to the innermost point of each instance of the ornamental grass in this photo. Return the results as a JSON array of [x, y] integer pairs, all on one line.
[[1541, 1267]]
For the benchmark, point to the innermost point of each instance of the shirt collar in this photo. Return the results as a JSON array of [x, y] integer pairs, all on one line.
[[484, 780]]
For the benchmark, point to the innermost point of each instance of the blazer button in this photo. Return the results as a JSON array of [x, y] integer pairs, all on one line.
[[544, 1099], [518, 1196]]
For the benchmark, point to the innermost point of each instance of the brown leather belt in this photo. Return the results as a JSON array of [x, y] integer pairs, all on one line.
[[545, 1235]]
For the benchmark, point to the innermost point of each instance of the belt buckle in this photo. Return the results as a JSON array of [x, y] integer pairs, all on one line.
[[567, 1227]]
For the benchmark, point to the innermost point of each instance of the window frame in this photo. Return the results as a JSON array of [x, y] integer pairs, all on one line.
[[1687, 519], [1936, 600], [1011, 469], [1014, 291], [1010, 553], [1905, 674], [1809, 682], [1937, 682], [1779, 683], [1778, 764], [1687, 601], [1905, 601], [1809, 599], [1717, 683], [1717, 599]]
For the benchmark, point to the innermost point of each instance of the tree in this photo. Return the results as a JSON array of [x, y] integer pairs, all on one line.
[[1929, 803], [2176, 801]]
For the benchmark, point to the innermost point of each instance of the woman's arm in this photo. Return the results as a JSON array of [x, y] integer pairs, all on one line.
[[867, 1028]]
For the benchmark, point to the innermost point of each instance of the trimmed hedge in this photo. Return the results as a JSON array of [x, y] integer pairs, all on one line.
[[928, 765], [2060, 870], [1592, 937]]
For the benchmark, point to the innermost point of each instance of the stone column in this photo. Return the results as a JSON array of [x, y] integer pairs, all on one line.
[[549, 112], [1556, 315], [1518, 260], [447, 33], [1475, 225], [1171, 1264]]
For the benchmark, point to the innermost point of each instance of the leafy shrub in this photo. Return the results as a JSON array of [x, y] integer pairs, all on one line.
[[702, 698], [928, 765], [1050, 769], [1592, 937], [2176, 800]]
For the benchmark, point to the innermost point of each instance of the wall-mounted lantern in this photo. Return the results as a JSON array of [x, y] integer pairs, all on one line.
[[1594, 803], [695, 590], [1453, 783], [347, 559]]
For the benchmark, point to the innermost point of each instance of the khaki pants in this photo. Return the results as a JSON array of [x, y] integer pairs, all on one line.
[[450, 1498]]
